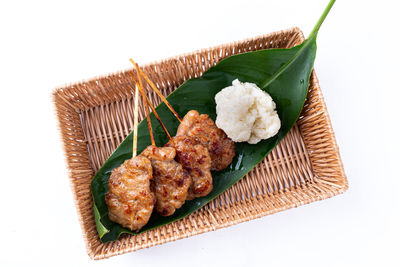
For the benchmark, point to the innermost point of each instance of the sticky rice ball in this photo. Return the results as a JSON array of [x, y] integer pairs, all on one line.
[[246, 113]]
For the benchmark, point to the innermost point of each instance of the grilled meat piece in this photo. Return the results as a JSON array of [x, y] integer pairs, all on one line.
[[170, 182], [196, 161], [129, 199], [219, 145]]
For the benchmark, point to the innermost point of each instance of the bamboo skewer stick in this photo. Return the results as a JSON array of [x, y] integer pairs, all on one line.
[[135, 122], [146, 108], [154, 111], [157, 117], [158, 92]]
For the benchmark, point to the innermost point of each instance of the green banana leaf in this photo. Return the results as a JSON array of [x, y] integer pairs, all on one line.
[[283, 73]]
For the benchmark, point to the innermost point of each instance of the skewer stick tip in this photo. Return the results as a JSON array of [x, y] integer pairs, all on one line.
[[154, 87]]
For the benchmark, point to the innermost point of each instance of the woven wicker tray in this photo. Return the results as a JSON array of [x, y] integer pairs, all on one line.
[[95, 116]]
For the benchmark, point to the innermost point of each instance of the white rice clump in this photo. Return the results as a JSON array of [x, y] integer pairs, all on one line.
[[246, 113]]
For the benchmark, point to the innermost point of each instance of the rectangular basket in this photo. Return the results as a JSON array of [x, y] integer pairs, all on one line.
[[96, 115]]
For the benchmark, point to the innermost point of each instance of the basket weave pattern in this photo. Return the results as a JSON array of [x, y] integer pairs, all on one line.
[[96, 115]]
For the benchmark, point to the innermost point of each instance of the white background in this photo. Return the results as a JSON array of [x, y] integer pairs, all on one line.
[[45, 44]]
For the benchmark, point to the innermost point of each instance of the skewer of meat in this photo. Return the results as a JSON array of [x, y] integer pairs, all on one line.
[[129, 200], [170, 182], [221, 148], [194, 158]]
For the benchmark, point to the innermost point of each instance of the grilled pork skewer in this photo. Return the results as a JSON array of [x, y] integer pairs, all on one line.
[[129, 200], [170, 182], [194, 158], [220, 147]]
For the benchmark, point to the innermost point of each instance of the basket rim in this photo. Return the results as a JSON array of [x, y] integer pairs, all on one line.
[[68, 85]]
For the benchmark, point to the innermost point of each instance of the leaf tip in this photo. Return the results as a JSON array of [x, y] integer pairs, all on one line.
[[101, 229]]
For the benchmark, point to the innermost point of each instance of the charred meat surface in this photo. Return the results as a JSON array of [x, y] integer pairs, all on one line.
[[129, 199], [170, 182], [219, 145], [196, 160]]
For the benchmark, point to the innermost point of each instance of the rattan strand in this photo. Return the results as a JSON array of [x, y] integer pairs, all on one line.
[[96, 115]]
